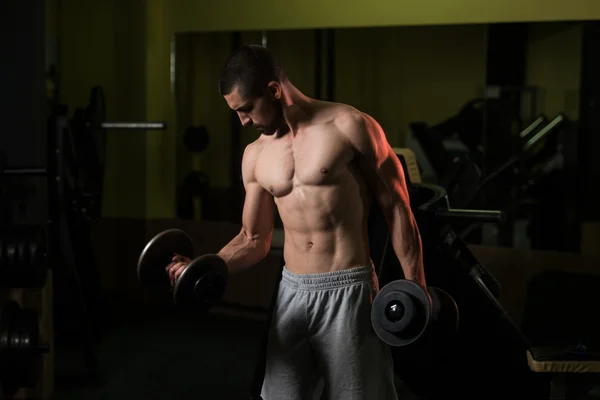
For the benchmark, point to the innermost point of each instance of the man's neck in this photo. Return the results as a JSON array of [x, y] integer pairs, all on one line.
[[297, 107]]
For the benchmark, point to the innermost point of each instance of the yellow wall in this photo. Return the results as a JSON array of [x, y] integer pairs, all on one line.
[[399, 75], [126, 49], [199, 59], [408, 74], [122, 48], [224, 15], [554, 66], [160, 167]]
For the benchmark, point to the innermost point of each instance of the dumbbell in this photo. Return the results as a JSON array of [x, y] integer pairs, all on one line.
[[403, 312], [200, 285]]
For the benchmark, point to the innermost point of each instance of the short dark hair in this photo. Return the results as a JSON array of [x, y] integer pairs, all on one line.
[[250, 68]]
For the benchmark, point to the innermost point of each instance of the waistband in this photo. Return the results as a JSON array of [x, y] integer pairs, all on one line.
[[327, 280]]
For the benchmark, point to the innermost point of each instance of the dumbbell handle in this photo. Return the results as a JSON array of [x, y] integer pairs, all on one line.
[[471, 215]]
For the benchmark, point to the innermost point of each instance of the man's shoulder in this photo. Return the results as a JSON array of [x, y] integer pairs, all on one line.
[[254, 147], [346, 118], [341, 113]]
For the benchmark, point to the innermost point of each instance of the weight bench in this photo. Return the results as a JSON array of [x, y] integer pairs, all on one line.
[[560, 310], [561, 363]]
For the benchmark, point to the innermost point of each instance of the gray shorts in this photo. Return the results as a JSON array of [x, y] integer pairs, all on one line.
[[321, 342]]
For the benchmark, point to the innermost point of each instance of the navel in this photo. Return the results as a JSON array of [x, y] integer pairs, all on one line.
[[309, 245]]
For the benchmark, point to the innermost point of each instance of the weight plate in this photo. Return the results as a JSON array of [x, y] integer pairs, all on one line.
[[2, 261], [158, 253], [445, 315], [21, 359], [202, 283], [23, 257], [409, 325], [196, 139]]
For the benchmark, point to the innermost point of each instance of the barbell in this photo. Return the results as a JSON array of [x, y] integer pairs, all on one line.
[[94, 116]]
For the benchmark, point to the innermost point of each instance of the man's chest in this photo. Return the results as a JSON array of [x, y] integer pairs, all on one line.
[[313, 159]]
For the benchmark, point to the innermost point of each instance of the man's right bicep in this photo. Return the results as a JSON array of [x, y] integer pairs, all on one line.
[[259, 209]]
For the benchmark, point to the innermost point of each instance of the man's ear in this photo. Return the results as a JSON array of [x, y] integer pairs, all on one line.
[[274, 89]]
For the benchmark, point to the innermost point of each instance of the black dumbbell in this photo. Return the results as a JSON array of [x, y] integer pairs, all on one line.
[[200, 285], [403, 312]]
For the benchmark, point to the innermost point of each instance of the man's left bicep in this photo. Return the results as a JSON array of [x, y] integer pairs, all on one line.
[[391, 173], [380, 164]]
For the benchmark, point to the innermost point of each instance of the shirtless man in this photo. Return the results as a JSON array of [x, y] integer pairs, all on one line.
[[320, 163]]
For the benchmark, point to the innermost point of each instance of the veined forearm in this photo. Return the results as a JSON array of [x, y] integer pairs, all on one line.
[[243, 251], [406, 241]]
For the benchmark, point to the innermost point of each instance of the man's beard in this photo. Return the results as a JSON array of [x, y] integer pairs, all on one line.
[[277, 124]]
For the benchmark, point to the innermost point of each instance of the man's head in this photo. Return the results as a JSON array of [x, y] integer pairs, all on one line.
[[251, 84]]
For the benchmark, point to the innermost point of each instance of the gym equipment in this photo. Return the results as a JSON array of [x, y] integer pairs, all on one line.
[[533, 127], [193, 193], [3, 163], [515, 184], [20, 348], [522, 161], [5, 170], [202, 282], [486, 334], [23, 251], [85, 146], [461, 181], [402, 312], [195, 139], [195, 184], [94, 116], [434, 218]]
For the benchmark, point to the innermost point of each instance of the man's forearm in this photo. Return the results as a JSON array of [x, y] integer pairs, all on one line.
[[406, 241], [243, 252]]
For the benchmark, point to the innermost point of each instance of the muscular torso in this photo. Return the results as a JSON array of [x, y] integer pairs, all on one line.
[[321, 196]]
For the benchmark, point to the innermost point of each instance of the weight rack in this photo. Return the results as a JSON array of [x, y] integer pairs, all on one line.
[[67, 233]]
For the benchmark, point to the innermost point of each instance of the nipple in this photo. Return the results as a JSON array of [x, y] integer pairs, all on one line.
[[271, 190], [324, 170]]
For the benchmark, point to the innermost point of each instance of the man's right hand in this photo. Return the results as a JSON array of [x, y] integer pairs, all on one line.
[[176, 267]]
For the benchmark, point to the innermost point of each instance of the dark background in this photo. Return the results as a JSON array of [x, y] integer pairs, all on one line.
[[110, 338]]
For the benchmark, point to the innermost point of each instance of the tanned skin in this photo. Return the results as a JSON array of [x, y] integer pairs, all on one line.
[[319, 163]]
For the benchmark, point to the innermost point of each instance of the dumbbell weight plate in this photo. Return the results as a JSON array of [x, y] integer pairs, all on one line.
[[20, 360], [400, 313], [22, 270], [444, 314], [202, 283], [158, 253], [25, 344], [2, 260], [37, 253]]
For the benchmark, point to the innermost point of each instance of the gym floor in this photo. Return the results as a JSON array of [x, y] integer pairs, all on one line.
[[160, 353]]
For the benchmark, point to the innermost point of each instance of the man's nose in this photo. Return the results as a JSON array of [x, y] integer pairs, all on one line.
[[245, 120]]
